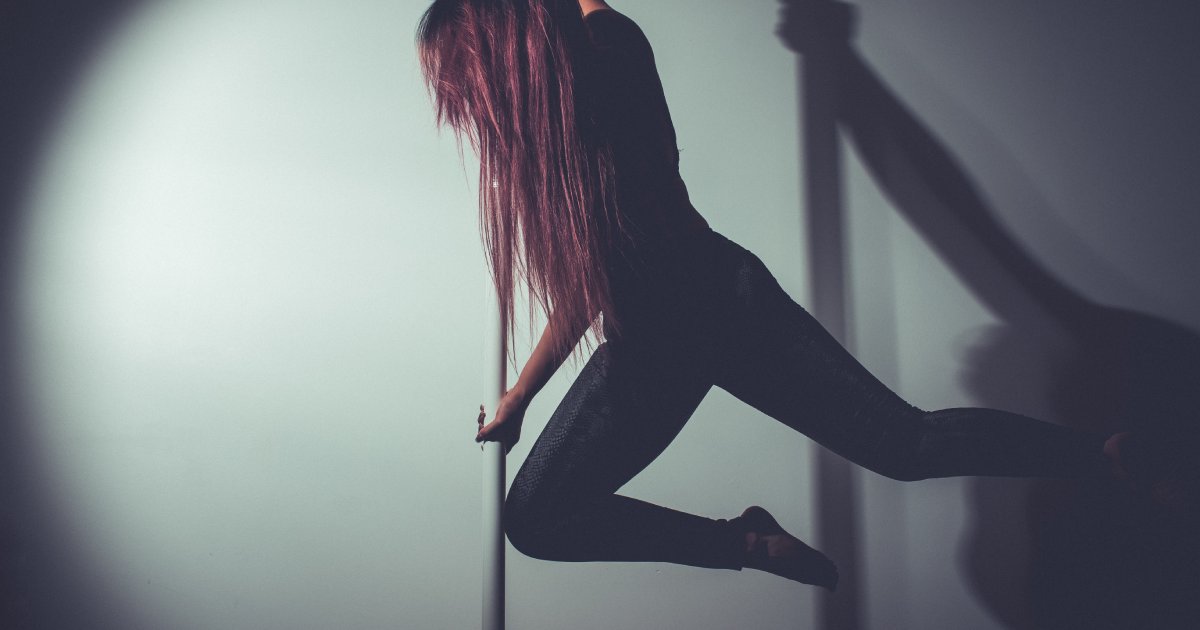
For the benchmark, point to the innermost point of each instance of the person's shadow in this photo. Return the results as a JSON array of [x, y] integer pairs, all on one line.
[[1041, 553]]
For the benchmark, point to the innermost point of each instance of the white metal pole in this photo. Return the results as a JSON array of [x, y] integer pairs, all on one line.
[[496, 377]]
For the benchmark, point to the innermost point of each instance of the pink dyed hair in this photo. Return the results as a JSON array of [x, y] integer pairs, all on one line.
[[513, 77]]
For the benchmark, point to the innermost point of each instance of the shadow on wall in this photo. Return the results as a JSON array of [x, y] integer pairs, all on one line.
[[1040, 553], [45, 582]]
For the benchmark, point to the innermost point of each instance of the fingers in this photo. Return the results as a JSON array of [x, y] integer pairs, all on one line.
[[496, 431], [489, 433], [479, 420], [486, 430]]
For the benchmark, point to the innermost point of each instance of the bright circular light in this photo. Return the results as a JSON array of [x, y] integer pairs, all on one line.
[[216, 300]]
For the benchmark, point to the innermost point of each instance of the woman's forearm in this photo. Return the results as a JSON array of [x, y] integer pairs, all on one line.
[[544, 361]]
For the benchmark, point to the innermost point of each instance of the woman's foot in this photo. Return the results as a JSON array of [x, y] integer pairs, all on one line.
[[1153, 475], [770, 548], [1116, 448]]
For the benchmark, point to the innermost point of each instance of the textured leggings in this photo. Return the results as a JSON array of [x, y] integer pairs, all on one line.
[[708, 312]]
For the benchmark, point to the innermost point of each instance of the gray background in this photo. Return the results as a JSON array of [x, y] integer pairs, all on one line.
[[248, 308]]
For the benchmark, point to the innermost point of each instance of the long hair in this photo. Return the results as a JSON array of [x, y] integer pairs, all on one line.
[[515, 77]]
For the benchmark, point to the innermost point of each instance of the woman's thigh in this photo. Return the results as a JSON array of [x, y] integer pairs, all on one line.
[[776, 357], [624, 408]]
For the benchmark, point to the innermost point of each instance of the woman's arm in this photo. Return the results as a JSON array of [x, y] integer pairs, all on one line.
[[510, 412], [544, 362]]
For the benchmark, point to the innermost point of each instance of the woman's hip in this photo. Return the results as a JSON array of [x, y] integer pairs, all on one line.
[[692, 287]]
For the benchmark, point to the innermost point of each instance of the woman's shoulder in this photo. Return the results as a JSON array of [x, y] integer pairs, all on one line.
[[612, 29], [611, 20]]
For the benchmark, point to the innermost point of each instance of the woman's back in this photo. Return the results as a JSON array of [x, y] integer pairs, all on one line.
[[631, 110]]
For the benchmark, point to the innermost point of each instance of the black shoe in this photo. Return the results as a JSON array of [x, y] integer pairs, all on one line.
[[1157, 470], [772, 549]]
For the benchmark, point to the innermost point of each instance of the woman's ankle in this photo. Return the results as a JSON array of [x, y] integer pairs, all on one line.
[[1156, 468], [1117, 449], [769, 547]]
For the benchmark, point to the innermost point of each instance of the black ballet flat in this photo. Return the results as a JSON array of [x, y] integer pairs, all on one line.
[[774, 550], [1154, 470]]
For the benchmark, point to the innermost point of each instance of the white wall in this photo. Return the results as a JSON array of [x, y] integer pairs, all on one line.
[[252, 299], [252, 282]]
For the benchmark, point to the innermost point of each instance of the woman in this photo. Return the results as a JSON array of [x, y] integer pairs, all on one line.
[[580, 195]]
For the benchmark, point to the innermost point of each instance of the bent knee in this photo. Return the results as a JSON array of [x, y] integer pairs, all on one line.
[[523, 530]]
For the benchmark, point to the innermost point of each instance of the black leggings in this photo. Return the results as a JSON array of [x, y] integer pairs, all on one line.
[[708, 312]]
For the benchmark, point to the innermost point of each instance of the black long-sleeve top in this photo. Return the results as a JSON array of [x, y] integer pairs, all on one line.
[[631, 109]]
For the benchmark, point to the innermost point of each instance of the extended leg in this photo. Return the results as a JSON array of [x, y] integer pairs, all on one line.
[[779, 359], [617, 417]]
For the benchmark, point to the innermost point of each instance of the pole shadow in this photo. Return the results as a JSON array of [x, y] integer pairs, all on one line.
[[1038, 553]]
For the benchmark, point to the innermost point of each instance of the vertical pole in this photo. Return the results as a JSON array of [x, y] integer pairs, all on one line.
[[496, 377], [822, 175]]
